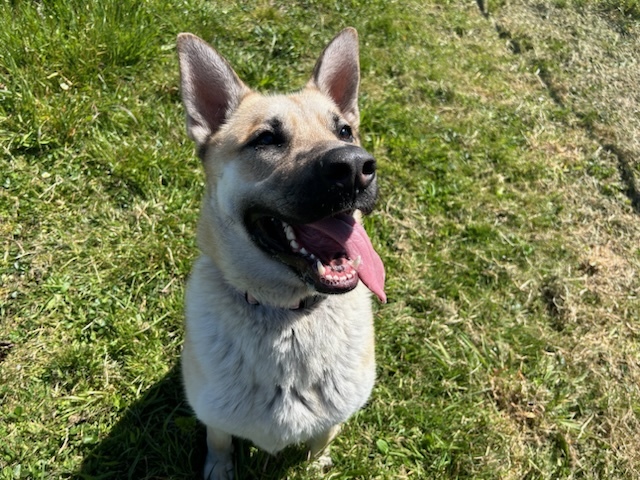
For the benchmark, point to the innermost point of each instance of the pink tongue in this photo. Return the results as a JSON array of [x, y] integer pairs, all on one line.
[[344, 230]]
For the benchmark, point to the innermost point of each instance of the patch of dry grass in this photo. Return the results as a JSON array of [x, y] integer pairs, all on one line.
[[589, 64]]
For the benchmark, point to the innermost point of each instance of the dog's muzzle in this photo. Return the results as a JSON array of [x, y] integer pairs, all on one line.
[[314, 232]]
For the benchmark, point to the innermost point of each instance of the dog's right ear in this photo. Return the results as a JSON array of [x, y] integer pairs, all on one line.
[[211, 90]]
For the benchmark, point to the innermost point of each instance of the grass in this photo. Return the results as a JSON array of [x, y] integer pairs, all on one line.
[[508, 223]]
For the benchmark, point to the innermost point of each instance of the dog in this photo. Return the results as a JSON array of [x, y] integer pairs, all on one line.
[[279, 339]]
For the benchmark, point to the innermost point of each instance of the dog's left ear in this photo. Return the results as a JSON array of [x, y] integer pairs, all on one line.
[[337, 74]]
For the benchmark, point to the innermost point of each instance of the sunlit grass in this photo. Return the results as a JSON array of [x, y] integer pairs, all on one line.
[[508, 348]]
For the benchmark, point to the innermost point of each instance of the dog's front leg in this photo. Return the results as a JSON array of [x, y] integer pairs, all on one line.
[[219, 463], [319, 447]]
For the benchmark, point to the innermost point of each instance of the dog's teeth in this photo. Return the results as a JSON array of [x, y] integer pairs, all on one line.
[[303, 251], [320, 268], [295, 245], [356, 263], [288, 231]]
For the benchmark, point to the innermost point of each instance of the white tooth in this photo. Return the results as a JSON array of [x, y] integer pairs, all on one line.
[[303, 251], [320, 268], [294, 245], [349, 275], [356, 263], [288, 231]]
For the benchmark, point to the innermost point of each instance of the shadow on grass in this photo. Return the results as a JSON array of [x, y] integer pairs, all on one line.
[[158, 437], [625, 162]]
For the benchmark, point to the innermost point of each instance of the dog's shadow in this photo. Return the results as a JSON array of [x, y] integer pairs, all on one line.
[[158, 437]]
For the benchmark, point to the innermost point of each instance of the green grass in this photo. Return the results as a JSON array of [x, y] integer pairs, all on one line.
[[508, 223]]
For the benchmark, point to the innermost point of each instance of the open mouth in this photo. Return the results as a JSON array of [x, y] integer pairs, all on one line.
[[332, 254]]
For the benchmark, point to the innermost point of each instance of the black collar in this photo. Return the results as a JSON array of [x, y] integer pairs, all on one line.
[[307, 302]]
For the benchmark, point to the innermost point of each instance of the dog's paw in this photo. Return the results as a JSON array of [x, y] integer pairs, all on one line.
[[320, 448], [218, 467], [323, 462], [320, 465]]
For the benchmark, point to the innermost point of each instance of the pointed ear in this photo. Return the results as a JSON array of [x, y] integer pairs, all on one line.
[[210, 88], [337, 74]]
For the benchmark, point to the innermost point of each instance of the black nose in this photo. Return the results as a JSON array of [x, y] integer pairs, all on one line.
[[350, 169]]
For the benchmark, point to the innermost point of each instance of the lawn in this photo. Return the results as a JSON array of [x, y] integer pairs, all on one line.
[[507, 136]]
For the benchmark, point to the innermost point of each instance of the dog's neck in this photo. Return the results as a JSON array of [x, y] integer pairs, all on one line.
[[307, 302]]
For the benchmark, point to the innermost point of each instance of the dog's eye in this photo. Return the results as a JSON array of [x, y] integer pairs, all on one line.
[[345, 134], [267, 139]]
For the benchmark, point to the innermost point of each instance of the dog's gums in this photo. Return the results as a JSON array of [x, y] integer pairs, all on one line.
[[324, 263], [327, 253], [336, 272]]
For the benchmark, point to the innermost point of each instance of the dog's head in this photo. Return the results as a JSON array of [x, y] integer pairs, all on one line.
[[285, 175]]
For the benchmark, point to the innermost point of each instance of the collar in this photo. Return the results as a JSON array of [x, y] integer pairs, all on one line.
[[307, 302]]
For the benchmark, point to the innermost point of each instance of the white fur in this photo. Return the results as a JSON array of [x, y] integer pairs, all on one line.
[[235, 361]]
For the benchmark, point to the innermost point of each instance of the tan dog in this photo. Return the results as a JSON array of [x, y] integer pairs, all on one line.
[[279, 344]]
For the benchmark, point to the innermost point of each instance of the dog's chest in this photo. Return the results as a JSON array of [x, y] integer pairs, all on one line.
[[308, 370], [278, 380]]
